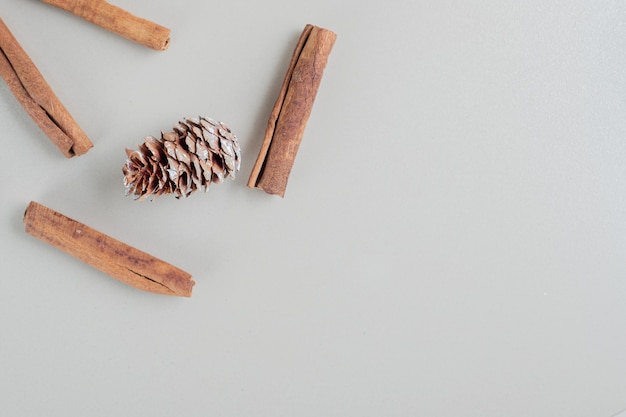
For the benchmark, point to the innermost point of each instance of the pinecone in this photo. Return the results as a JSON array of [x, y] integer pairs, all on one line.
[[198, 152]]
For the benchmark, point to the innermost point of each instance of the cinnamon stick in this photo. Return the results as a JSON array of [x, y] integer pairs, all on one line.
[[291, 112], [36, 97], [117, 20], [119, 260]]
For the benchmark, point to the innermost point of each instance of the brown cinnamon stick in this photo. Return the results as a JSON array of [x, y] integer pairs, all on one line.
[[291, 112], [121, 261], [35, 95], [117, 20]]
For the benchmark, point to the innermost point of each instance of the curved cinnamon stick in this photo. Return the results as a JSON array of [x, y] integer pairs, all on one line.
[[291, 112], [117, 20], [121, 261], [37, 98]]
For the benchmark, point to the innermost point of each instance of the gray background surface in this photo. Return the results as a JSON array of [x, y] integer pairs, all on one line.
[[452, 241]]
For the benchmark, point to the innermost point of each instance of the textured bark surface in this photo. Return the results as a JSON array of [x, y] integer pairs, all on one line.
[[292, 110], [36, 97], [119, 260], [117, 20]]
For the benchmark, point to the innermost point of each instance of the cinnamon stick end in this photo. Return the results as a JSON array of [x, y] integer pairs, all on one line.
[[166, 42], [269, 188], [80, 148]]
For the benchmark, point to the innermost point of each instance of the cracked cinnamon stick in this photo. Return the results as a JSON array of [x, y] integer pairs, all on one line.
[[121, 261], [291, 112], [117, 20], [36, 97]]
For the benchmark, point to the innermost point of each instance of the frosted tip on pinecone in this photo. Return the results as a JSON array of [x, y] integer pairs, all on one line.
[[198, 152]]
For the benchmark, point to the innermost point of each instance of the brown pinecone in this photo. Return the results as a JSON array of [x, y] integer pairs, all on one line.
[[198, 152]]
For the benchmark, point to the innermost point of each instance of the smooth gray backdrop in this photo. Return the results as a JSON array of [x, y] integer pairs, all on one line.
[[452, 241]]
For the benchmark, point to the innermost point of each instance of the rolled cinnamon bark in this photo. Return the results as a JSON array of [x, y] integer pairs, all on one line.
[[291, 112], [117, 20], [36, 97], [121, 261]]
